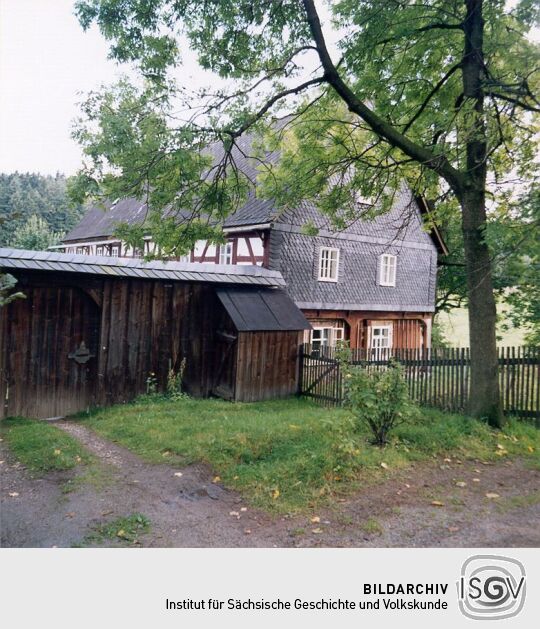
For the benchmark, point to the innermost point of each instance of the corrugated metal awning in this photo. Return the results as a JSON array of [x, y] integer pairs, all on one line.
[[259, 310], [11, 259]]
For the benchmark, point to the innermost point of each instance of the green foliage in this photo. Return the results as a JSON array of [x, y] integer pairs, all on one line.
[[438, 338], [25, 195], [513, 232], [175, 382], [306, 452], [122, 530], [378, 400], [35, 234], [41, 447], [7, 283]]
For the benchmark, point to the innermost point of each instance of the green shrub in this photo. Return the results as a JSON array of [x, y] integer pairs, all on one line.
[[377, 399]]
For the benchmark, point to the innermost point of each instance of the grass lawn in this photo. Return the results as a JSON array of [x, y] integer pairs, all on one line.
[[289, 455], [42, 447], [455, 326]]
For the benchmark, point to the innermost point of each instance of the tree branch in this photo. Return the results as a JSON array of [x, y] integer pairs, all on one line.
[[515, 101], [436, 88], [437, 163]]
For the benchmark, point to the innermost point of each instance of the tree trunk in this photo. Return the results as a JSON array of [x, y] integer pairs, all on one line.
[[485, 401]]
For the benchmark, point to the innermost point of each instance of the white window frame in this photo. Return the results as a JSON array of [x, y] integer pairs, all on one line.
[[333, 335], [325, 264], [382, 326], [100, 250], [226, 253], [116, 250], [387, 269]]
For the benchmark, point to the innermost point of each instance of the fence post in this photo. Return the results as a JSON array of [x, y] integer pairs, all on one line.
[[300, 370]]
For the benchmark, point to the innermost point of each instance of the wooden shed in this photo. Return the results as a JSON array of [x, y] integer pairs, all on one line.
[[94, 331]]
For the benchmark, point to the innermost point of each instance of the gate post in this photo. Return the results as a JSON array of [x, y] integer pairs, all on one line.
[[300, 370]]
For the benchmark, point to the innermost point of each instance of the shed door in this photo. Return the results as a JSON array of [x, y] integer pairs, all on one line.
[[225, 364], [50, 344]]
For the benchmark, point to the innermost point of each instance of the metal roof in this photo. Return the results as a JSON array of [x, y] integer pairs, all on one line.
[[136, 267], [261, 309]]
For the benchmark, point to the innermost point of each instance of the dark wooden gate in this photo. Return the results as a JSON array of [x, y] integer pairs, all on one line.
[[49, 346]]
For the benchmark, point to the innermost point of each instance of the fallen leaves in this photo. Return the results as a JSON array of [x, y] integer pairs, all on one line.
[[275, 493], [315, 519], [476, 480], [453, 529], [234, 514], [461, 483], [13, 494], [179, 474], [216, 479], [492, 495], [57, 452], [530, 448], [317, 531], [243, 509], [384, 465], [437, 503]]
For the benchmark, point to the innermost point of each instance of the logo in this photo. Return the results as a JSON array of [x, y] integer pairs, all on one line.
[[491, 587]]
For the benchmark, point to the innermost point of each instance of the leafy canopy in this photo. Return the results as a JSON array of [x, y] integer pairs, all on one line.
[[400, 59]]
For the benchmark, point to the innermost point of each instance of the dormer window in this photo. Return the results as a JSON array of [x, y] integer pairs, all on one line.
[[387, 270], [328, 264]]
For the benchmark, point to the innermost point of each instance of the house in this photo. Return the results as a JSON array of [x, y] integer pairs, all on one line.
[[372, 283], [94, 331]]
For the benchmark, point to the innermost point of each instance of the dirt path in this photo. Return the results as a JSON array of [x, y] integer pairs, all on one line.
[[187, 509]]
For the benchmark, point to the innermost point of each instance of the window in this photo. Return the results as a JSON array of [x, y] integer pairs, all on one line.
[[326, 337], [328, 264], [115, 251], [225, 253], [100, 250], [381, 336], [387, 270]]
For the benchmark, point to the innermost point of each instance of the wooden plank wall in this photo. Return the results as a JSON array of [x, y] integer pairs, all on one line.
[[149, 327], [138, 328], [267, 365], [38, 334]]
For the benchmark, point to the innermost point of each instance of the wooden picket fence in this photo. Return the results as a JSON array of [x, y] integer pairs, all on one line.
[[436, 377]]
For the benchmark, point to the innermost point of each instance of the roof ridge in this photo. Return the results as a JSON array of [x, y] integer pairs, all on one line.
[[133, 267]]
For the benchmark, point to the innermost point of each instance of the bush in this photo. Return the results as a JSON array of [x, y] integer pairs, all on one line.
[[377, 399]]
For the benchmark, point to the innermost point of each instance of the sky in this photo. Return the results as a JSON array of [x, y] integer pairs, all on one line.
[[46, 61], [47, 65]]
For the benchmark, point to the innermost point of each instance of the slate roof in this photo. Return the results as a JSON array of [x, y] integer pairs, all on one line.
[[100, 221], [135, 267], [262, 309]]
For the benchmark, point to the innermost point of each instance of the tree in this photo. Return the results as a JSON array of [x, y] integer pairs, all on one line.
[[440, 94], [7, 283], [36, 235], [25, 194], [513, 235]]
